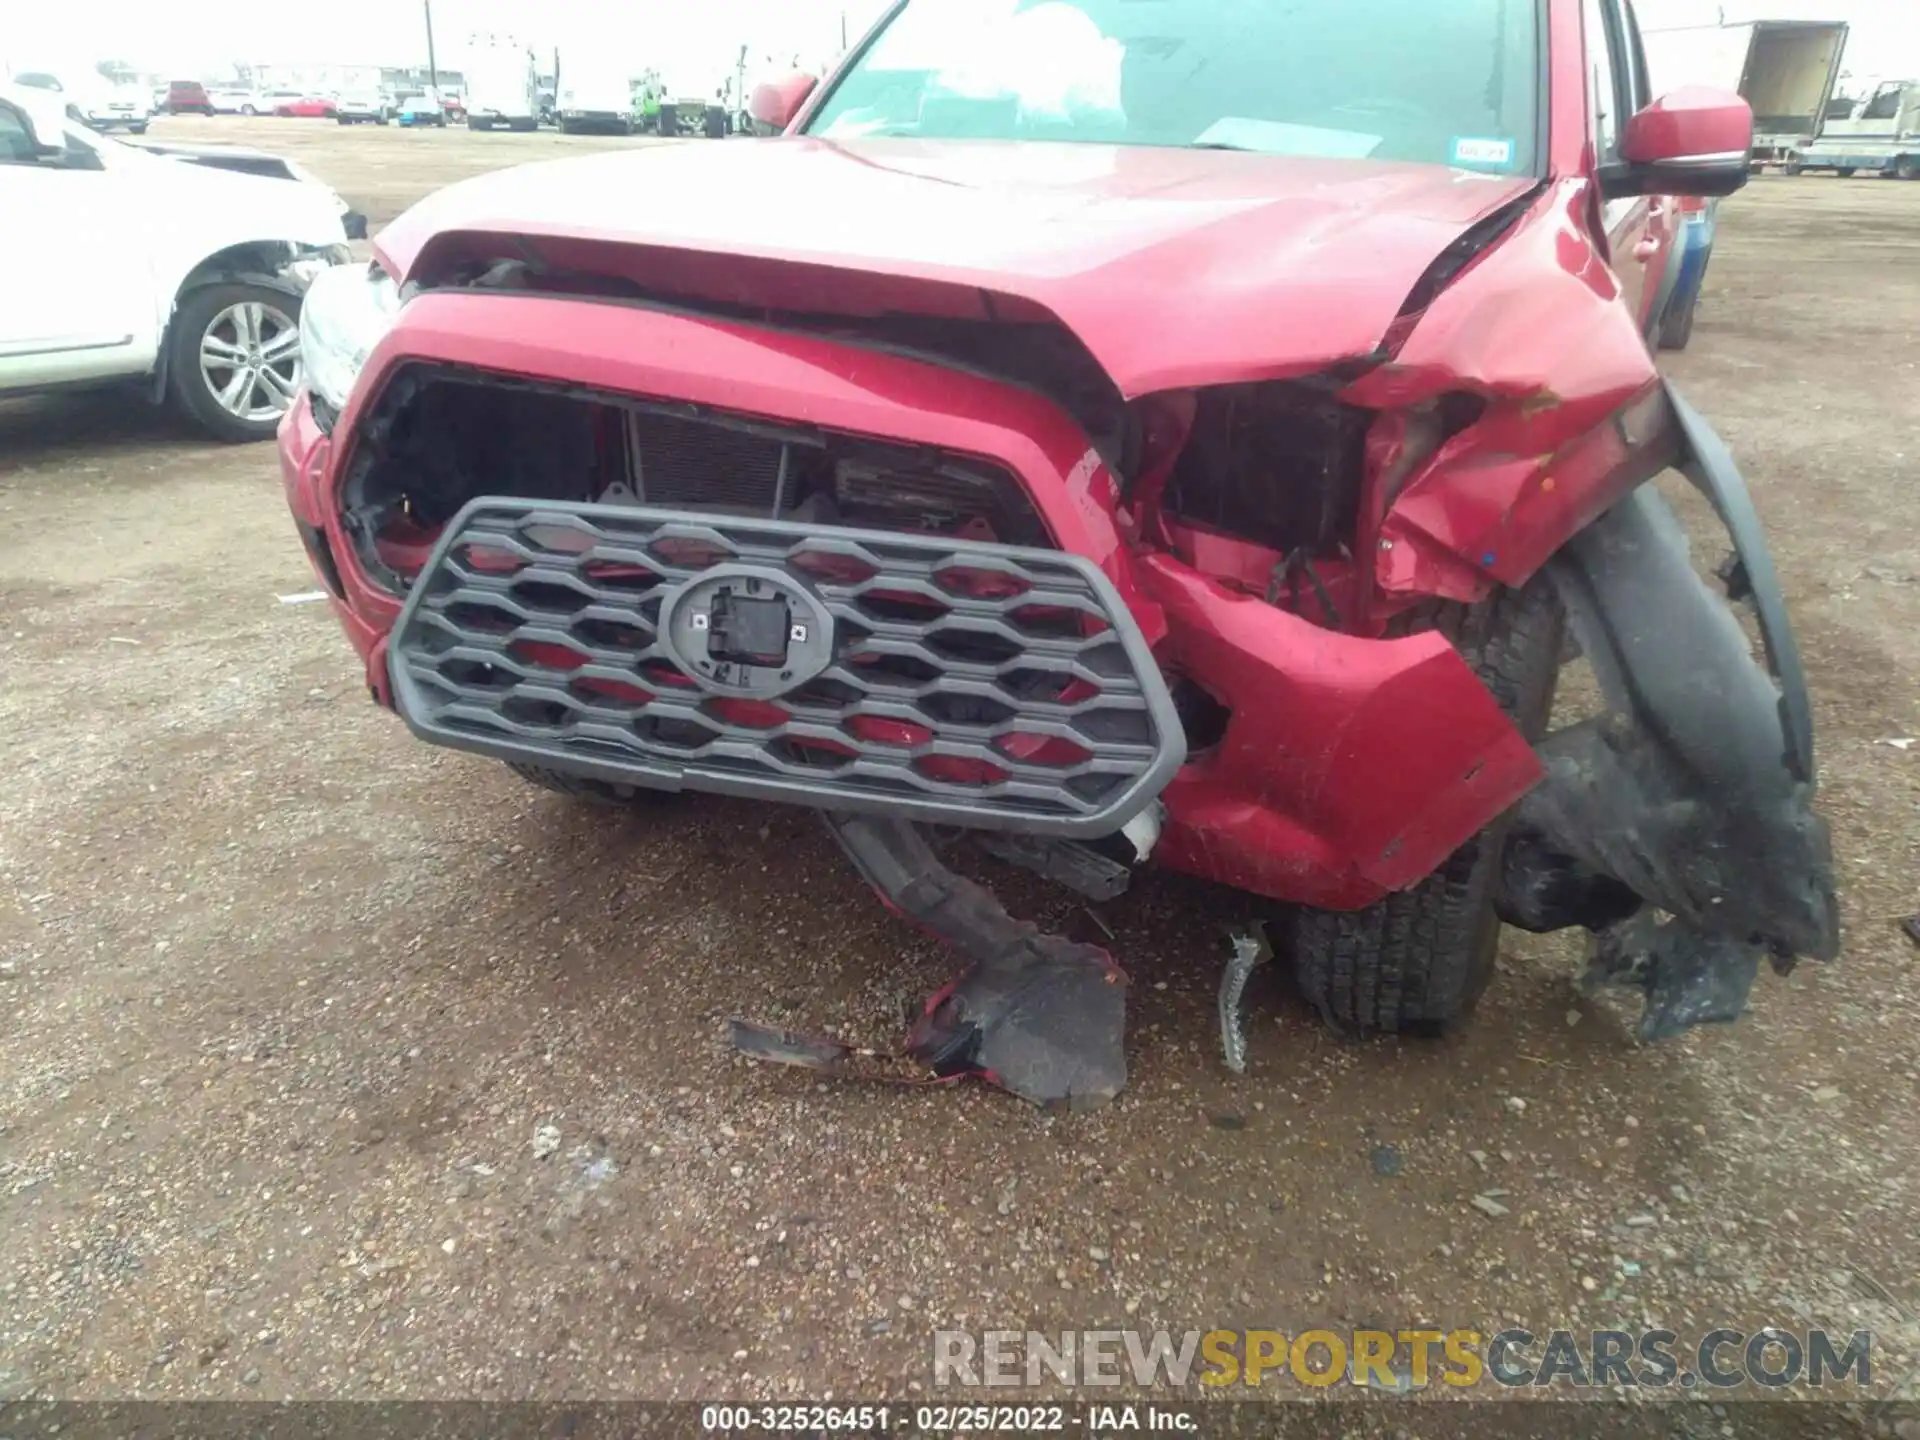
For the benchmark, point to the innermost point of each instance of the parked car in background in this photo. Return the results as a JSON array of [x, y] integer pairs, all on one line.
[[1878, 133], [228, 101], [307, 107], [188, 97], [1216, 491], [93, 99], [362, 108], [117, 265], [117, 107], [421, 110], [596, 93]]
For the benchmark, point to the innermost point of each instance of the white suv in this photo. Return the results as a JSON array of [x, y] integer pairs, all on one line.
[[116, 264]]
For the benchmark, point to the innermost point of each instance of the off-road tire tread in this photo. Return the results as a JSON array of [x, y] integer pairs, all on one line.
[[1416, 962]]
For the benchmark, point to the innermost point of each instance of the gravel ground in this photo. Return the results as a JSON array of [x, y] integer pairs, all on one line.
[[337, 1066]]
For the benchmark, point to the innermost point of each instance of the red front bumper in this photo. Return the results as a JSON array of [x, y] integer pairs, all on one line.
[[1350, 767]]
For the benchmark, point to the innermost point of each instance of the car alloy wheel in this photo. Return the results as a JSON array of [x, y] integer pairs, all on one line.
[[250, 360]]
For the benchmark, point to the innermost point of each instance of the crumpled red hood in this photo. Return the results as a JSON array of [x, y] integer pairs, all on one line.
[[1174, 267]]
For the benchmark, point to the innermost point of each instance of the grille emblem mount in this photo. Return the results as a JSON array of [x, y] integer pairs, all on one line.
[[748, 631]]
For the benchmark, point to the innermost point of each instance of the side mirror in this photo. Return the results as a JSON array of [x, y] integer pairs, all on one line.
[[1695, 141], [774, 105]]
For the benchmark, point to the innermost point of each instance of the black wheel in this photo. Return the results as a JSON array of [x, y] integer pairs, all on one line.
[[1845, 172], [566, 126], [1676, 326], [593, 792], [1792, 167], [473, 124], [248, 110], [1416, 962], [139, 129], [1907, 167], [233, 358]]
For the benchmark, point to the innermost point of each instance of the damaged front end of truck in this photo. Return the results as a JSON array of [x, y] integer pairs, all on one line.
[[944, 560]]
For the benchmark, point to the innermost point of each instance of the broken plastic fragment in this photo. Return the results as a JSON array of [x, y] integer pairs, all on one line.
[[1250, 950], [1690, 977], [826, 1056], [1036, 1014]]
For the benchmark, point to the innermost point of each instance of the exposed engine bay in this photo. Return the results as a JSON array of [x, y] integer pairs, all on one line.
[[443, 439]]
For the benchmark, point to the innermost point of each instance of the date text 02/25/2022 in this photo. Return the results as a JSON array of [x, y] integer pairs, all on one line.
[[945, 1419]]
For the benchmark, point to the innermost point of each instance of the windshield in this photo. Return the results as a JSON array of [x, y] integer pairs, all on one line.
[[1449, 82]]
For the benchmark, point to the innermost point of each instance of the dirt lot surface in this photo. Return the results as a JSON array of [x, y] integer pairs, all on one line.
[[289, 997]]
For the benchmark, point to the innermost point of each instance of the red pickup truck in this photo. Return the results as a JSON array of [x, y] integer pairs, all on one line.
[[1203, 448]]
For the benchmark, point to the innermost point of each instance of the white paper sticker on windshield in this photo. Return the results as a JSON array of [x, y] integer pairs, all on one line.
[[1481, 150], [1276, 137]]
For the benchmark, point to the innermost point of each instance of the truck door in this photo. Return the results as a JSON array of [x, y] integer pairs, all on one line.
[[1640, 228]]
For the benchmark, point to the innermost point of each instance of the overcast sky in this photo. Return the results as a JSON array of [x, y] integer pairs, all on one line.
[[192, 36]]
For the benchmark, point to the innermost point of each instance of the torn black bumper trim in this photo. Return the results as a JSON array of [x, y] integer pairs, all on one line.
[[1680, 826], [1039, 1015]]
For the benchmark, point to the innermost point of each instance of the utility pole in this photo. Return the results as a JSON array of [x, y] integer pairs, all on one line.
[[433, 70]]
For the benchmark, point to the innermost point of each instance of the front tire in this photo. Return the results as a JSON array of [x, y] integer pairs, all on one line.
[[1417, 962], [1676, 326], [233, 359], [1907, 167]]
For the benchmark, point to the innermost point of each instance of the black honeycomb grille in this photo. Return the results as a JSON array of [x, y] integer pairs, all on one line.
[[972, 684]]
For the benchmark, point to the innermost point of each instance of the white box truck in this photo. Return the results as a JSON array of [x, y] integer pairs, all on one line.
[[1785, 69], [503, 87]]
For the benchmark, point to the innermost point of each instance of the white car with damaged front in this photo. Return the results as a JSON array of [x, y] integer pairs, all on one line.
[[120, 265]]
